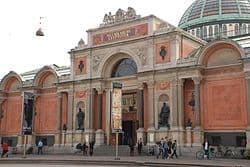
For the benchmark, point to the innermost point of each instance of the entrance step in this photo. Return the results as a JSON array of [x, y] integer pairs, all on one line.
[[123, 150]]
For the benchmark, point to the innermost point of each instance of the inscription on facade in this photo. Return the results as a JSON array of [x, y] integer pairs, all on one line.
[[128, 33]]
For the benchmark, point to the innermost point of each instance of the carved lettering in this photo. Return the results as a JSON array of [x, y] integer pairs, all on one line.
[[132, 32]]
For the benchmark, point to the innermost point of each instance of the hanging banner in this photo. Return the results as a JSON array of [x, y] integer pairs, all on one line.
[[116, 115], [28, 103]]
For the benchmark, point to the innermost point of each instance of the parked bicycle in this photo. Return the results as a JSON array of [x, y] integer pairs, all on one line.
[[201, 153], [225, 152]]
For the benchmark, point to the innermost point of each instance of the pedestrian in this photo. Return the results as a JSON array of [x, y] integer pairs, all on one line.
[[161, 149], [84, 149], [174, 148], [91, 148], [169, 143], [131, 146], [40, 147], [5, 149], [139, 146], [165, 147], [206, 148]]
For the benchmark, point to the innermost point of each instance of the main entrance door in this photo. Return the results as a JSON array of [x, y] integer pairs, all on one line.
[[129, 132], [129, 118]]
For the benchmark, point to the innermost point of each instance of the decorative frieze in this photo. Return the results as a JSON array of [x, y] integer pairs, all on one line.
[[96, 61], [80, 94], [163, 85]]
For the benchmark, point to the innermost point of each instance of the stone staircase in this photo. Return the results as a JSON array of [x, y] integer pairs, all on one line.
[[123, 150]]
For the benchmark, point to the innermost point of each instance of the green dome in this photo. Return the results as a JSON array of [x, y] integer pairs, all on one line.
[[209, 11]]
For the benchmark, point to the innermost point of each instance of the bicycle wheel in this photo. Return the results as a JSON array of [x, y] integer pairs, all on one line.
[[229, 154], [218, 154], [200, 155], [212, 154]]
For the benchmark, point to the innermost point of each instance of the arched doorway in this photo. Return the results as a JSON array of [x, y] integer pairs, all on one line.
[[122, 70], [223, 96]]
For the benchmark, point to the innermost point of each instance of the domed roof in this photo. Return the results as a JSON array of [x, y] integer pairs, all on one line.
[[206, 11]]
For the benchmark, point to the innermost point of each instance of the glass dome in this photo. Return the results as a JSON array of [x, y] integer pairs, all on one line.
[[209, 11]]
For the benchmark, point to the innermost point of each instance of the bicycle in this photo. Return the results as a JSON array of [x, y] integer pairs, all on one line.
[[225, 152], [201, 154]]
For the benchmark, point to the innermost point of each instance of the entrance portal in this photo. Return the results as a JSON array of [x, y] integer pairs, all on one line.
[[129, 132]]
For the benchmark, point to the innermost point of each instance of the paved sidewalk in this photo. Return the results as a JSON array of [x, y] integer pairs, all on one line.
[[79, 159]]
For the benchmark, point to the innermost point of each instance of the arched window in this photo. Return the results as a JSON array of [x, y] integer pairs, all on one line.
[[216, 30], [193, 32], [224, 29], [198, 32], [244, 28], [124, 67], [236, 29], [204, 32], [210, 31]]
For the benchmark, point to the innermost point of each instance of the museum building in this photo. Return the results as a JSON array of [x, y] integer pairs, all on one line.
[[173, 84]]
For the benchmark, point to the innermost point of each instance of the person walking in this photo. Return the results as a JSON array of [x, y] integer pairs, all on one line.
[[40, 147], [131, 146], [84, 149], [5, 148], [161, 149], [139, 146], [174, 148], [91, 148], [206, 148]]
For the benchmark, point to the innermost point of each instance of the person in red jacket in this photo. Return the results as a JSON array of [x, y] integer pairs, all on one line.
[[5, 148]]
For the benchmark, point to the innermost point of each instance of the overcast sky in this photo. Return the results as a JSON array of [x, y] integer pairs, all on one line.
[[64, 23]]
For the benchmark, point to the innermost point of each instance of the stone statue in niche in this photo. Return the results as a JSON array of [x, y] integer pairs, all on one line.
[[164, 116], [80, 119], [189, 123], [163, 52], [192, 101], [81, 66]]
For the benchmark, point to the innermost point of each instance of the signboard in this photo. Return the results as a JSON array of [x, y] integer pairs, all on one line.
[[116, 115], [28, 103], [121, 34]]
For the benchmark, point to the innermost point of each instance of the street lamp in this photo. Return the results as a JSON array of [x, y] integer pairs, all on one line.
[[39, 32]]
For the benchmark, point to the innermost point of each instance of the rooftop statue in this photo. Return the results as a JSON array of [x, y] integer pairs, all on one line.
[[120, 16]]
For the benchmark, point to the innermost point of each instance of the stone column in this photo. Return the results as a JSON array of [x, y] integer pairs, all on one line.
[[108, 113], [174, 109], [180, 104], [248, 109], [70, 111], [198, 136], [140, 113], [180, 114], [188, 136], [89, 132], [59, 120], [151, 114], [99, 134], [1, 116], [99, 108], [69, 133]]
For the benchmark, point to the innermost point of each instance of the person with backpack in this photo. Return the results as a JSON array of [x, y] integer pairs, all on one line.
[[174, 148]]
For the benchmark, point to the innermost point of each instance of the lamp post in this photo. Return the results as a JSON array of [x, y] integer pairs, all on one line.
[[39, 32]]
